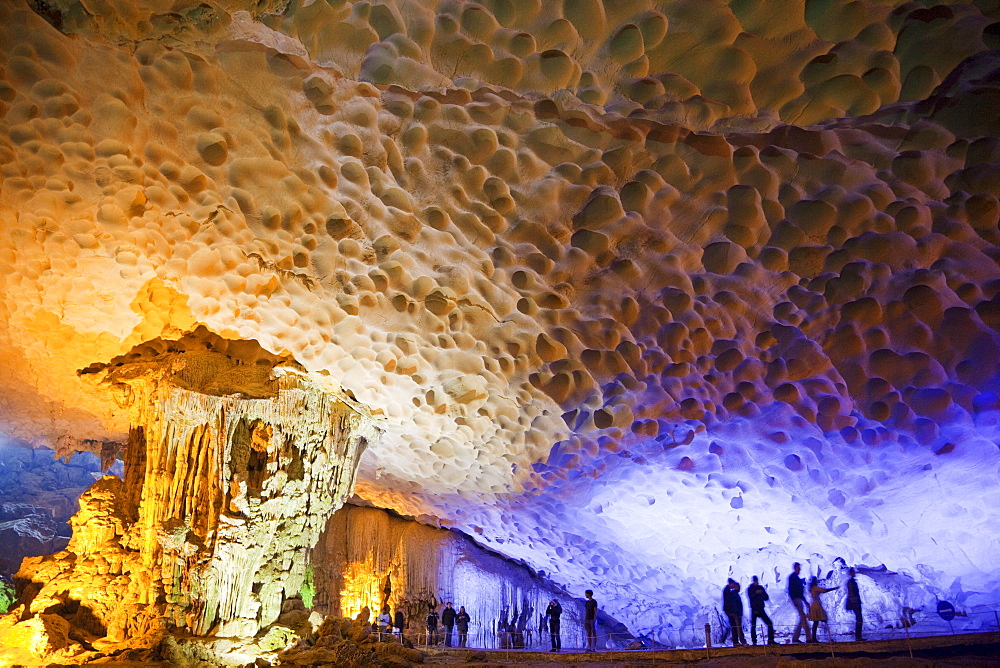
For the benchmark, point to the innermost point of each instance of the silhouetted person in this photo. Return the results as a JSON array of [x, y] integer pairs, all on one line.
[[448, 621], [590, 620], [554, 612], [431, 622], [462, 620], [816, 611], [854, 604], [732, 605], [757, 596], [399, 622], [797, 592]]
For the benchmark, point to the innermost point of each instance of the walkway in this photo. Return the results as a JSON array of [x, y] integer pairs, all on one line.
[[975, 649]]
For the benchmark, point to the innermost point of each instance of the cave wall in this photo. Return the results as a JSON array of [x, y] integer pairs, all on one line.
[[367, 557], [644, 294]]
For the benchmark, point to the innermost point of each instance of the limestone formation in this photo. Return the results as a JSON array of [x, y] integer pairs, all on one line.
[[233, 465], [366, 558]]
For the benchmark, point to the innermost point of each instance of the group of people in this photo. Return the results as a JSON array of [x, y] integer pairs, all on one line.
[[553, 615], [389, 625], [732, 606], [450, 620]]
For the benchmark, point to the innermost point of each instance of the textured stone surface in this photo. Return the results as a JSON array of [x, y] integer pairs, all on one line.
[[233, 466], [645, 294], [368, 559]]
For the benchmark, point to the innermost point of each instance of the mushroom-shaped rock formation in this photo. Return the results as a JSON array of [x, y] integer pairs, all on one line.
[[235, 460]]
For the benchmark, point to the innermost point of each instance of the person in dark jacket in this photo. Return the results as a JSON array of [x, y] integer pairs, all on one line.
[[732, 605], [462, 620], [448, 621], [554, 612], [590, 620], [854, 604], [432, 627], [757, 596], [797, 593], [399, 621]]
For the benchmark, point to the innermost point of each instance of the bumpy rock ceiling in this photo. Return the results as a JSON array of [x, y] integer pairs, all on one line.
[[644, 293]]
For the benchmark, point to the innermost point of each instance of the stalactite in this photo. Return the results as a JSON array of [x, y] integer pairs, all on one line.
[[231, 472], [362, 547]]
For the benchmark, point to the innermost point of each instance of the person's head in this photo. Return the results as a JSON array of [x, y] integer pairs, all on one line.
[[589, 593], [851, 572], [796, 567], [755, 579], [553, 602], [461, 608], [448, 604], [386, 610], [813, 581], [731, 583]]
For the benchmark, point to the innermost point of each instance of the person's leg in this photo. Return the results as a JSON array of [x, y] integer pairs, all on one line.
[[812, 637], [770, 627], [858, 624], [753, 626], [447, 636], [803, 625]]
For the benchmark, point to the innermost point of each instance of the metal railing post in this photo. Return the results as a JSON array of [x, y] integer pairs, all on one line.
[[708, 641]]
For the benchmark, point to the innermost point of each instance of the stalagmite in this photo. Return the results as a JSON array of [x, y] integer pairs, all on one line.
[[235, 460]]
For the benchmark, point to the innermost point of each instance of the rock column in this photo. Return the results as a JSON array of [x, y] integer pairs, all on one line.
[[231, 471]]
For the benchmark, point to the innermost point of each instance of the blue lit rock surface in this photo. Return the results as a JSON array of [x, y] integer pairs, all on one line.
[[39, 495], [645, 294], [367, 558]]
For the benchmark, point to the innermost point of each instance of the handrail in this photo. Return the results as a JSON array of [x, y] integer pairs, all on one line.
[[832, 634]]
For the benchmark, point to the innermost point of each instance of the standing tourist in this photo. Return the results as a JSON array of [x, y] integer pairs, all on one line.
[[554, 612], [448, 620], [432, 627], [854, 604], [816, 611], [384, 624], [797, 593], [757, 596], [732, 605], [590, 620], [399, 622], [462, 620]]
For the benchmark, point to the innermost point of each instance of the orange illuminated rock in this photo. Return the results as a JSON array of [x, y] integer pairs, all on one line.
[[234, 463]]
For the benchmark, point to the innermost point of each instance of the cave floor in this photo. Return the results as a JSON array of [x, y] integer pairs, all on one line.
[[973, 650], [979, 650]]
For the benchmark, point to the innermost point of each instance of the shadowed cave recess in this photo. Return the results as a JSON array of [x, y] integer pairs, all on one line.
[[407, 301]]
